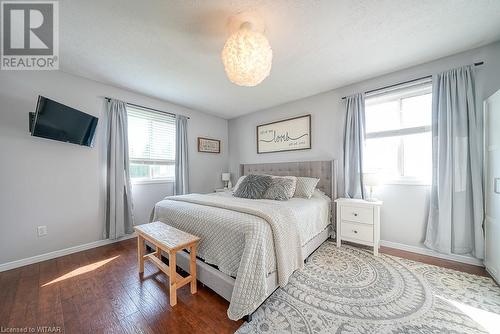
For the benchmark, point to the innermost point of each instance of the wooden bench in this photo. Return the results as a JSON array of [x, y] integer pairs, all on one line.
[[170, 240]]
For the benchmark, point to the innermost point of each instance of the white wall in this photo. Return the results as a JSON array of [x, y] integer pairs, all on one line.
[[45, 182], [405, 207]]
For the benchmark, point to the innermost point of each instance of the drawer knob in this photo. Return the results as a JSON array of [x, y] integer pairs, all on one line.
[[355, 231], [355, 214]]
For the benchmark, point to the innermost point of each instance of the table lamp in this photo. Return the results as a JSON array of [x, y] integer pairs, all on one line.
[[226, 177], [372, 180]]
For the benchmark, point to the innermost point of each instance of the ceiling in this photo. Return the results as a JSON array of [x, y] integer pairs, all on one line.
[[171, 49]]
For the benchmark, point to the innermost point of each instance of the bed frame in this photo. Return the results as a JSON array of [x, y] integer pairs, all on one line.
[[326, 171]]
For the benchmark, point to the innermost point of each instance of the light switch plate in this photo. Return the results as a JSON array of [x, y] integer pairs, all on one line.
[[497, 185]]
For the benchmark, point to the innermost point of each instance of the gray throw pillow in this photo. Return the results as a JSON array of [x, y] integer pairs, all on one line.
[[253, 186], [305, 187], [280, 189]]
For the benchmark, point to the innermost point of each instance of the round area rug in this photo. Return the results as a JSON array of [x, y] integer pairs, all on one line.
[[348, 290]]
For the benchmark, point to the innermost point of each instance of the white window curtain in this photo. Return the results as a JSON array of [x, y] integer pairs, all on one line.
[[354, 141], [119, 218], [181, 156], [456, 209]]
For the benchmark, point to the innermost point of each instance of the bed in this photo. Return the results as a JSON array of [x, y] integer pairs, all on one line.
[[250, 247]]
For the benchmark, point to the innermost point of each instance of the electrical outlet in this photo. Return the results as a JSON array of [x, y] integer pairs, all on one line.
[[42, 230]]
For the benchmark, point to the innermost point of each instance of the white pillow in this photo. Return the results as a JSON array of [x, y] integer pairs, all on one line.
[[238, 183], [305, 187]]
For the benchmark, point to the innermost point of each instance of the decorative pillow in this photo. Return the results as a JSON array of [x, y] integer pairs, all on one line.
[[292, 190], [305, 187], [253, 186], [238, 183], [281, 188]]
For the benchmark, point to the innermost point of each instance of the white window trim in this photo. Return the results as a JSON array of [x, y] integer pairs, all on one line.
[[420, 87], [151, 162], [399, 132], [151, 181], [407, 181]]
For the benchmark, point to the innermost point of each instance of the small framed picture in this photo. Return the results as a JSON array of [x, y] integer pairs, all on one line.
[[208, 145]]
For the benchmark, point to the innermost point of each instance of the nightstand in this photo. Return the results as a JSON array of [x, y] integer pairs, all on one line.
[[223, 190], [358, 221]]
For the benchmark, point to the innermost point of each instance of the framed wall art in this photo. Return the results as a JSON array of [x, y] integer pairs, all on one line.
[[287, 135], [208, 145]]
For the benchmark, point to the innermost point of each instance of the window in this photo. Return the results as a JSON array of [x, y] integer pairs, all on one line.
[[398, 133], [151, 141]]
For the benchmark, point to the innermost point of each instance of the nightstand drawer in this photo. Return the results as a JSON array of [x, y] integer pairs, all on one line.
[[357, 214], [358, 221], [351, 230]]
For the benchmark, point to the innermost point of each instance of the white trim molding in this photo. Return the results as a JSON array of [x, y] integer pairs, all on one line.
[[492, 271], [152, 181], [429, 252], [61, 252]]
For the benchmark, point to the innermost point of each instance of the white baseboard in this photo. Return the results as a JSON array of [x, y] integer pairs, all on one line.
[[492, 271], [430, 252], [61, 252]]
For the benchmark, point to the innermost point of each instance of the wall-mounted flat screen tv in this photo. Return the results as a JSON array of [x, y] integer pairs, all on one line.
[[56, 121]]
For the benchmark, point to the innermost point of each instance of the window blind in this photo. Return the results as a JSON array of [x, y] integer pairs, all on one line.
[[151, 136], [422, 86]]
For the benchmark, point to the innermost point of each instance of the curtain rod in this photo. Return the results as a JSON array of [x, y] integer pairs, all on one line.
[[143, 107], [408, 81]]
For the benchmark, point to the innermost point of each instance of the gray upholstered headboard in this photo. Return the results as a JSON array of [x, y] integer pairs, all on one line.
[[325, 171]]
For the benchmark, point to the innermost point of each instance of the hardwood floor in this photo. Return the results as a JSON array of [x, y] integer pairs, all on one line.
[[467, 268], [463, 267], [100, 291]]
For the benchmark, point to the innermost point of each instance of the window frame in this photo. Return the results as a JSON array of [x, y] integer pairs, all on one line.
[[152, 180], [150, 162], [425, 88]]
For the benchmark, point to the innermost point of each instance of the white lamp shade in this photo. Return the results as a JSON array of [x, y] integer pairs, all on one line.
[[372, 179], [247, 57], [226, 176]]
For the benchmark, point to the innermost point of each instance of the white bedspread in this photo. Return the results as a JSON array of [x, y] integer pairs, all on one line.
[[313, 214], [235, 232]]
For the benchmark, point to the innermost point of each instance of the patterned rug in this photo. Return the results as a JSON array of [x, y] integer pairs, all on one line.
[[348, 290]]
